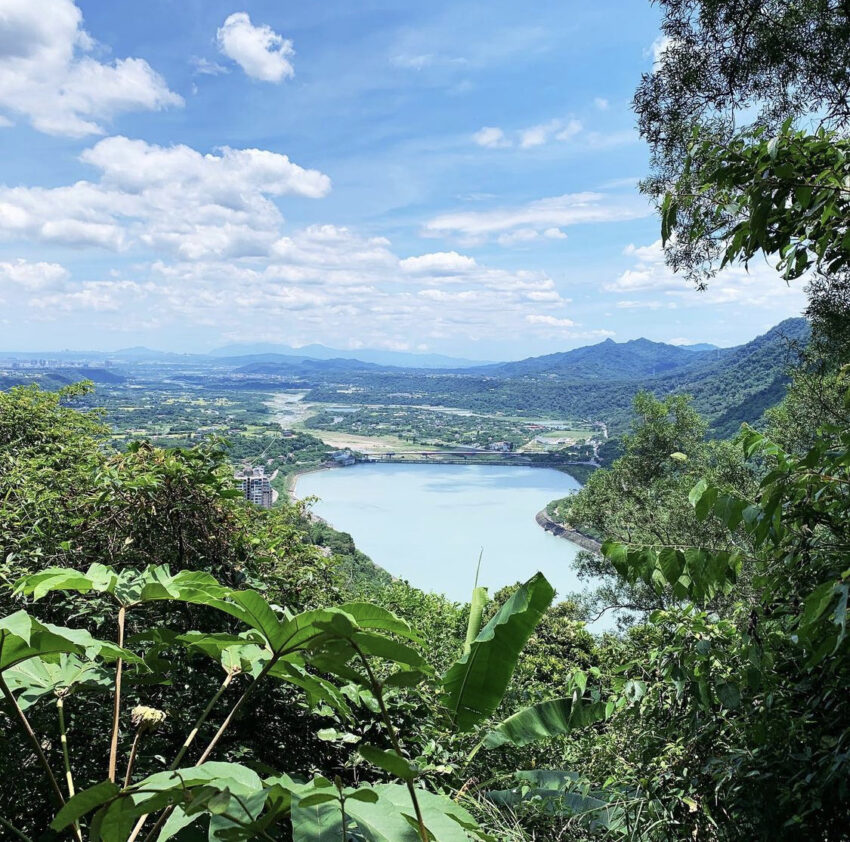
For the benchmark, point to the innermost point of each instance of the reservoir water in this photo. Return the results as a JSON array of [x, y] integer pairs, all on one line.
[[428, 523]]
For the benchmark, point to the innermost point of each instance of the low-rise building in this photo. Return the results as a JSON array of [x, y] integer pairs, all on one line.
[[342, 457]]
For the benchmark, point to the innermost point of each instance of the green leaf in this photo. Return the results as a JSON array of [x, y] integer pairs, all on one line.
[[23, 637], [476, 610], [369, 616], [391, 650], [729, 695], [474, 685], [83, 803], [446, 820], [389, 761], [552, 718], [817, 602], [316, 822], [32, 679]]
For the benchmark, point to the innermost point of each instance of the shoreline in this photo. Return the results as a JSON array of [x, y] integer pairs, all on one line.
[[571, 535], [292, 479]]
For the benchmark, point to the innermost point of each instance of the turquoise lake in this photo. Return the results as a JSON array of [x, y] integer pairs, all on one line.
[[428, 523]]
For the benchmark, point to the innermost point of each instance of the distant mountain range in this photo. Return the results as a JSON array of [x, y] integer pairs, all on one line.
[[729, 385], [400, 359]]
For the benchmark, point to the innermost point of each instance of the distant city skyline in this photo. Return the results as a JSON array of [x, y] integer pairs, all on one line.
[[456, 178]]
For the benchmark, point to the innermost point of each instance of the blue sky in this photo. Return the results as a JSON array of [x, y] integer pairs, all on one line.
[[455, 177]]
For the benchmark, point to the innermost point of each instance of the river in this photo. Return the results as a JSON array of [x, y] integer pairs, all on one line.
[[428, 523]]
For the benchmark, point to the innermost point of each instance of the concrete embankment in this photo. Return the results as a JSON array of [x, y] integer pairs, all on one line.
[[583, 541]]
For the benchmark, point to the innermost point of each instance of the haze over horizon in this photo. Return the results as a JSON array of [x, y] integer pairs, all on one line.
[[442, 180]]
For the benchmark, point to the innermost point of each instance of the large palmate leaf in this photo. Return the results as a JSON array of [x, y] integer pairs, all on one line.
[[444, 818], [552, 718], [369, 616], [32, 679], [129, 587], [192, 790], [475, 684], [381, 813], [23, 637]]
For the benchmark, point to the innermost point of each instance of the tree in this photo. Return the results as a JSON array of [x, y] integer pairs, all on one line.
[[643, 497], [742, 714], [730, 76]]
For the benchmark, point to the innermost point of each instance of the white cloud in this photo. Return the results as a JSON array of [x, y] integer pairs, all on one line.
[[657, 49], [491, 137], [413, 62], [554, 234], [258, 50], [32, 276], [535, 135], [314, 284], [531, 137], [601, 103], [568, 130], [761, 286], [165, 198], [542, 214], [46, 76], [438, 263]]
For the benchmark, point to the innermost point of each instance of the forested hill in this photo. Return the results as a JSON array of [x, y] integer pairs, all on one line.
[[608, 360], [729, 386], [746, 381]]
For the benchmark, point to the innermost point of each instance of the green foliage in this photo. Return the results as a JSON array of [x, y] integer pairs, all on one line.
[[475, 684], [643, 499]]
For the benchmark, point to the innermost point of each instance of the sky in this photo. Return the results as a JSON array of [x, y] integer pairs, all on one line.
[[450, 177]]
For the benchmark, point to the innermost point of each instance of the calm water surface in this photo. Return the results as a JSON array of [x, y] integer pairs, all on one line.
[[428, 523]]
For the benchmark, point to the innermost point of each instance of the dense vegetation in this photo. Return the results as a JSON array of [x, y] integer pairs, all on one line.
[[177, 665]]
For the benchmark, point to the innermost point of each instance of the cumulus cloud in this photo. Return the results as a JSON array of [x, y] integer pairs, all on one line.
[[47, 76], [313, 284], [165, 198], [438, 263], [761, 286], [258, 50], [550, 213], [32, 276], [207, 245]]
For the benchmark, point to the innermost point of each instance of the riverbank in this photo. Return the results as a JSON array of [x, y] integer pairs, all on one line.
[[571, 535]]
